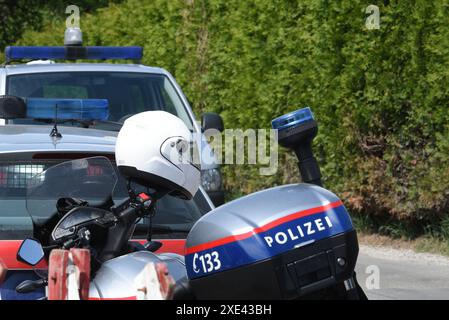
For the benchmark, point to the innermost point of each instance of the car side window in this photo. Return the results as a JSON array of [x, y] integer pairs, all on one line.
[[15, 223]]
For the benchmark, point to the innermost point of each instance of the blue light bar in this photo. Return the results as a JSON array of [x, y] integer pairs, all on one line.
[[73, 53], [293, 119], [17, 53], [67, 109], [126, 53]]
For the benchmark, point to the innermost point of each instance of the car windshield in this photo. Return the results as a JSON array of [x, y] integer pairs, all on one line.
[[32, 188], [128, 93]]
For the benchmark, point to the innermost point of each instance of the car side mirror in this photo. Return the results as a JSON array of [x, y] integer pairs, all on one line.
[[12, 107], [30, 252], [211, 120]]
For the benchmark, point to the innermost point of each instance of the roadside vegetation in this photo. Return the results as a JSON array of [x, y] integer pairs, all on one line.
[[381, 97], [431, 238]]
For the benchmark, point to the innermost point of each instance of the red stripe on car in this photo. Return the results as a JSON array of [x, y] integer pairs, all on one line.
[[8, 252]]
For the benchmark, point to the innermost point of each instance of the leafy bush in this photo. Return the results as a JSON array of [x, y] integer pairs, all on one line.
[[380, 96]]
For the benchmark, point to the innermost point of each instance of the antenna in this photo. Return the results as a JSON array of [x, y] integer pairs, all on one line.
[[54, 132]]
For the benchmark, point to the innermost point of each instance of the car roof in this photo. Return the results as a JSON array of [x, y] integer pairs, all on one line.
[[80, 67], [36, 138]]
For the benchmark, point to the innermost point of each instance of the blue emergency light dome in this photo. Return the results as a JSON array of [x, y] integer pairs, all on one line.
[[67, 109], [291, 119]]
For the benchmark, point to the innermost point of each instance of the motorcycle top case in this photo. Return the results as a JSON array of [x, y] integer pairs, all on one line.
[[281, 243]]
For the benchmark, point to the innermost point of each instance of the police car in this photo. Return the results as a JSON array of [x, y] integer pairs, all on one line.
[[31, 143]]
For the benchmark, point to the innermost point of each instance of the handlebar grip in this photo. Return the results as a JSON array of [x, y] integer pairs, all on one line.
[[30, 285], [129, 211]]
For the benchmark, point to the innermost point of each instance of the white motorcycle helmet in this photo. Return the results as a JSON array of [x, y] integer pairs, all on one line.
[[157, 150]]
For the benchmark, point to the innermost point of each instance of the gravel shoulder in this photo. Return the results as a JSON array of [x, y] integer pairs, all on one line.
[[406, 255]]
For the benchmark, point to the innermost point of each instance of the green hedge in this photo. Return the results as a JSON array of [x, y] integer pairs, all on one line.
[[380, 96]]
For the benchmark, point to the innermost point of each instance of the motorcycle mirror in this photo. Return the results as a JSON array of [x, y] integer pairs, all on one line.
[[30, 252]]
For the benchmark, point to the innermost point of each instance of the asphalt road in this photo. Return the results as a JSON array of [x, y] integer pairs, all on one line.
[[392, 274]]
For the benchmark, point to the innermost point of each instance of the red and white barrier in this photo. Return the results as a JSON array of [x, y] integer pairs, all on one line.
[[69, 274], [154, 283], [69, 278]]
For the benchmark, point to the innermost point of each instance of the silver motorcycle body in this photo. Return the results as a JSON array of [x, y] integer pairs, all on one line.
[[120, 278]]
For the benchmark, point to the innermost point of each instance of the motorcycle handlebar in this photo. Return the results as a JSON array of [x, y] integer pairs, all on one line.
[[128, 207], [131, 210], [126, 212]]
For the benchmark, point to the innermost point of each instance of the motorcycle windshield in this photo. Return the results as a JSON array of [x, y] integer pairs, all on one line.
[[89, 179]]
